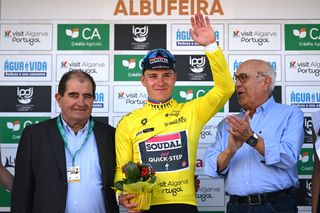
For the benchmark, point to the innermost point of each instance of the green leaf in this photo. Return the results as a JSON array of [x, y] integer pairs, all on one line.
[[119, 185], [132, 172]]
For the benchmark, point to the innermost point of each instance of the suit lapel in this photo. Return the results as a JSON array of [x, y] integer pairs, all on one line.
[[102, 150], [57, 144]]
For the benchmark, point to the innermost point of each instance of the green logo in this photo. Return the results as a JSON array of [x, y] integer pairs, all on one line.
[[11, 127], [302, 37], [187, 93], [83, 36], [127, 67], [305, 163], [5, 197]]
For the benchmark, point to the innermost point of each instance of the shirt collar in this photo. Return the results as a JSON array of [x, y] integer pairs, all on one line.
[[161, 106], [159, 102], [68, 129], [264, 107]]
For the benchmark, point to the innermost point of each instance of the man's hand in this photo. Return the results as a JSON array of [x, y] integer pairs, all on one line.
[[201, 31], [239, 129], [124, 200]]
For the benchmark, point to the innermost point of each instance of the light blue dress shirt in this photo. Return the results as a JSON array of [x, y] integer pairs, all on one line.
[[281, 127], [86, 196]]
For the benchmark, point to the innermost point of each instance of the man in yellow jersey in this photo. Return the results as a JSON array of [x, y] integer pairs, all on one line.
[[165, 133]]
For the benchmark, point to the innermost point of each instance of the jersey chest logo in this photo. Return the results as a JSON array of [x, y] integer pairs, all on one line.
[[166, 152]]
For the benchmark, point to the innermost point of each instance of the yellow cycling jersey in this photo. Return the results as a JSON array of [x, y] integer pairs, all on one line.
[[166, 136]]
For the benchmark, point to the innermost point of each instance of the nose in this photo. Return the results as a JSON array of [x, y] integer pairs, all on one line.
[[237, 83], [160, 81], [81, 100]]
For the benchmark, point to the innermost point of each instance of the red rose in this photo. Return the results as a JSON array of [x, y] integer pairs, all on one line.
[[144, 171]]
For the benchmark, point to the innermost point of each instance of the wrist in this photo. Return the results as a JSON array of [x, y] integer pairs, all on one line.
[[118, 198], [252, 140], [211, 47]]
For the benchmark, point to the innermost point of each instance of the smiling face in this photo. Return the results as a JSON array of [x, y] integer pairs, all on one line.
[[159, 83], [256, 89], [77, 102]]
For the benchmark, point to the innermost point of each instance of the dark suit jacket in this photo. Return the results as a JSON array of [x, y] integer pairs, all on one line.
[[40, 182]]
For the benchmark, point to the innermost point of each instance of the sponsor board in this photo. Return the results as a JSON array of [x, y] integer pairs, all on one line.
[[11, 127], [26, 37], [174, 9], [116, 120], [140, 36], [306, 160], [25, 67], [273, 60], [8, 155], [234, 104], [211, 193], [188, 93], [100, 103], [95, 65], [307, 98], [101, 119], [127, 98], [303, 193], [308, 127], [254, 37], [209, 131], [26, 98], [302, 36], [83, 36], [302, 68], [5, 201], [200, 161], [127, 67], [193, 68], [181, 38]]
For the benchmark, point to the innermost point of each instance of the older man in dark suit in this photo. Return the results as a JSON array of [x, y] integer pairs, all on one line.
[[67, 164]]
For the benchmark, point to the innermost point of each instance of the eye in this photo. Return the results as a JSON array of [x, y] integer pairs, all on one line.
[[88, 96], [152, 76], [243, 77], [73, 95], [167, 75]]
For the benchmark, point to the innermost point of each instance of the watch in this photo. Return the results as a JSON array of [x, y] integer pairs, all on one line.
[[252, 140]]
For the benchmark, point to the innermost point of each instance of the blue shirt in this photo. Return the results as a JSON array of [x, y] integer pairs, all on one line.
[[86, 196], [248, 172]]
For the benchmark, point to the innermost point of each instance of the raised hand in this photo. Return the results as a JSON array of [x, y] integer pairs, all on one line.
[[201, 31]]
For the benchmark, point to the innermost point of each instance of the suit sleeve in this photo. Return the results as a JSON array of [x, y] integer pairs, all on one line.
[[23, 182]]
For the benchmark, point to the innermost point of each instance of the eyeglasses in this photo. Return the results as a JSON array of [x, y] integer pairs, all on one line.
[[243, 77], [158, 52]]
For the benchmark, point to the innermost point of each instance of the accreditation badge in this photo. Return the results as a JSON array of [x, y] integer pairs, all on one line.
[[73, 174]]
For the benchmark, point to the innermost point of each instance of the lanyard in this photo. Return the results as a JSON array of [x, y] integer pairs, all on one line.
[[63, 135]]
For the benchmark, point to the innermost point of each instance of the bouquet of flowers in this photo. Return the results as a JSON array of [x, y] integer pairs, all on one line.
[[140, 180]]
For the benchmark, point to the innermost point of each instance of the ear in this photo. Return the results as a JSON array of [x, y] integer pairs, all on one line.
[[143, 80], [267, 82], [58, 98]]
